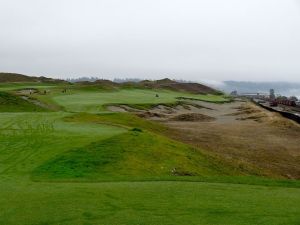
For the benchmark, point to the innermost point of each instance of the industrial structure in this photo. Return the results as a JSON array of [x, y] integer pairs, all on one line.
[[287, 106]]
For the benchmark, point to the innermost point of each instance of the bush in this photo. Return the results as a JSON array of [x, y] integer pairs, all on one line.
[[137, 129]]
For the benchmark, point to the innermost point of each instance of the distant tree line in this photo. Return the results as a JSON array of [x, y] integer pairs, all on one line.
[[116, 80]]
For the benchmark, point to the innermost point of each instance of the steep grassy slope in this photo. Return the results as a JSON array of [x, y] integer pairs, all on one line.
[[13, 103]]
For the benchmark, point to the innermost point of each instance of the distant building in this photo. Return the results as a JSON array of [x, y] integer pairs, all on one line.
[[254, 95], [234, 93], [293, 98], [272, 94]]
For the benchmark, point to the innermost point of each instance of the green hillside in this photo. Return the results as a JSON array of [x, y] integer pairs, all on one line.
[[14, 103], [80, 164], [133, 155]]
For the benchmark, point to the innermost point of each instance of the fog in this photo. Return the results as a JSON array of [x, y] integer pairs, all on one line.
[[212, 40]]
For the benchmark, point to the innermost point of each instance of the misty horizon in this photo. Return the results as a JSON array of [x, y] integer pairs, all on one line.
[[194, 40]]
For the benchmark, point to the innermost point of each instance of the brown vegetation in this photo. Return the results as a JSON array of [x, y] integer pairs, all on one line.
[[241, 133], [166, 83], [250, 136], [177, 86], [192, 117], [14, 77]]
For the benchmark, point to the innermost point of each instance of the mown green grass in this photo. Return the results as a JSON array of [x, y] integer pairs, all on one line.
[[89, 98], [24, 85], [79, 101], [147, 203], [116, 168], [29, 139], [127, 120]]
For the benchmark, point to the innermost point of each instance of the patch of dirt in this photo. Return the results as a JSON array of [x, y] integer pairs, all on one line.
[[192, 117], [246, 112], [36, 102], [179, 172], [162, 109], [183, 111], [27, 91], [116, 108], [257, 118], [123, 108], [148, 115]]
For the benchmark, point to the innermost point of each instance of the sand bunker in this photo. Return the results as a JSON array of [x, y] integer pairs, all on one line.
[[150, 115], [193, 117]]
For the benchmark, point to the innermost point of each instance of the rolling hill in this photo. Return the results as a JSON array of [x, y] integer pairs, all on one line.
[[15, 77], [14, 103], [81, 163]]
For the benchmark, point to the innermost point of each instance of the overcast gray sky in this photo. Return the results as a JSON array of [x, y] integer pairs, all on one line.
[[182, 39]]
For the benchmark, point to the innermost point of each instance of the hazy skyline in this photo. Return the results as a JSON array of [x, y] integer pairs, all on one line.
[[188, 39]]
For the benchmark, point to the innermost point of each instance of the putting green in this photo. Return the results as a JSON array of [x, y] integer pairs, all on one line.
[[79, 101]]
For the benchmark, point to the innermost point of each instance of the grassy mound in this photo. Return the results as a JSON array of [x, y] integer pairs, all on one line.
[[135, 154], [142, 153], [13, 103]]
